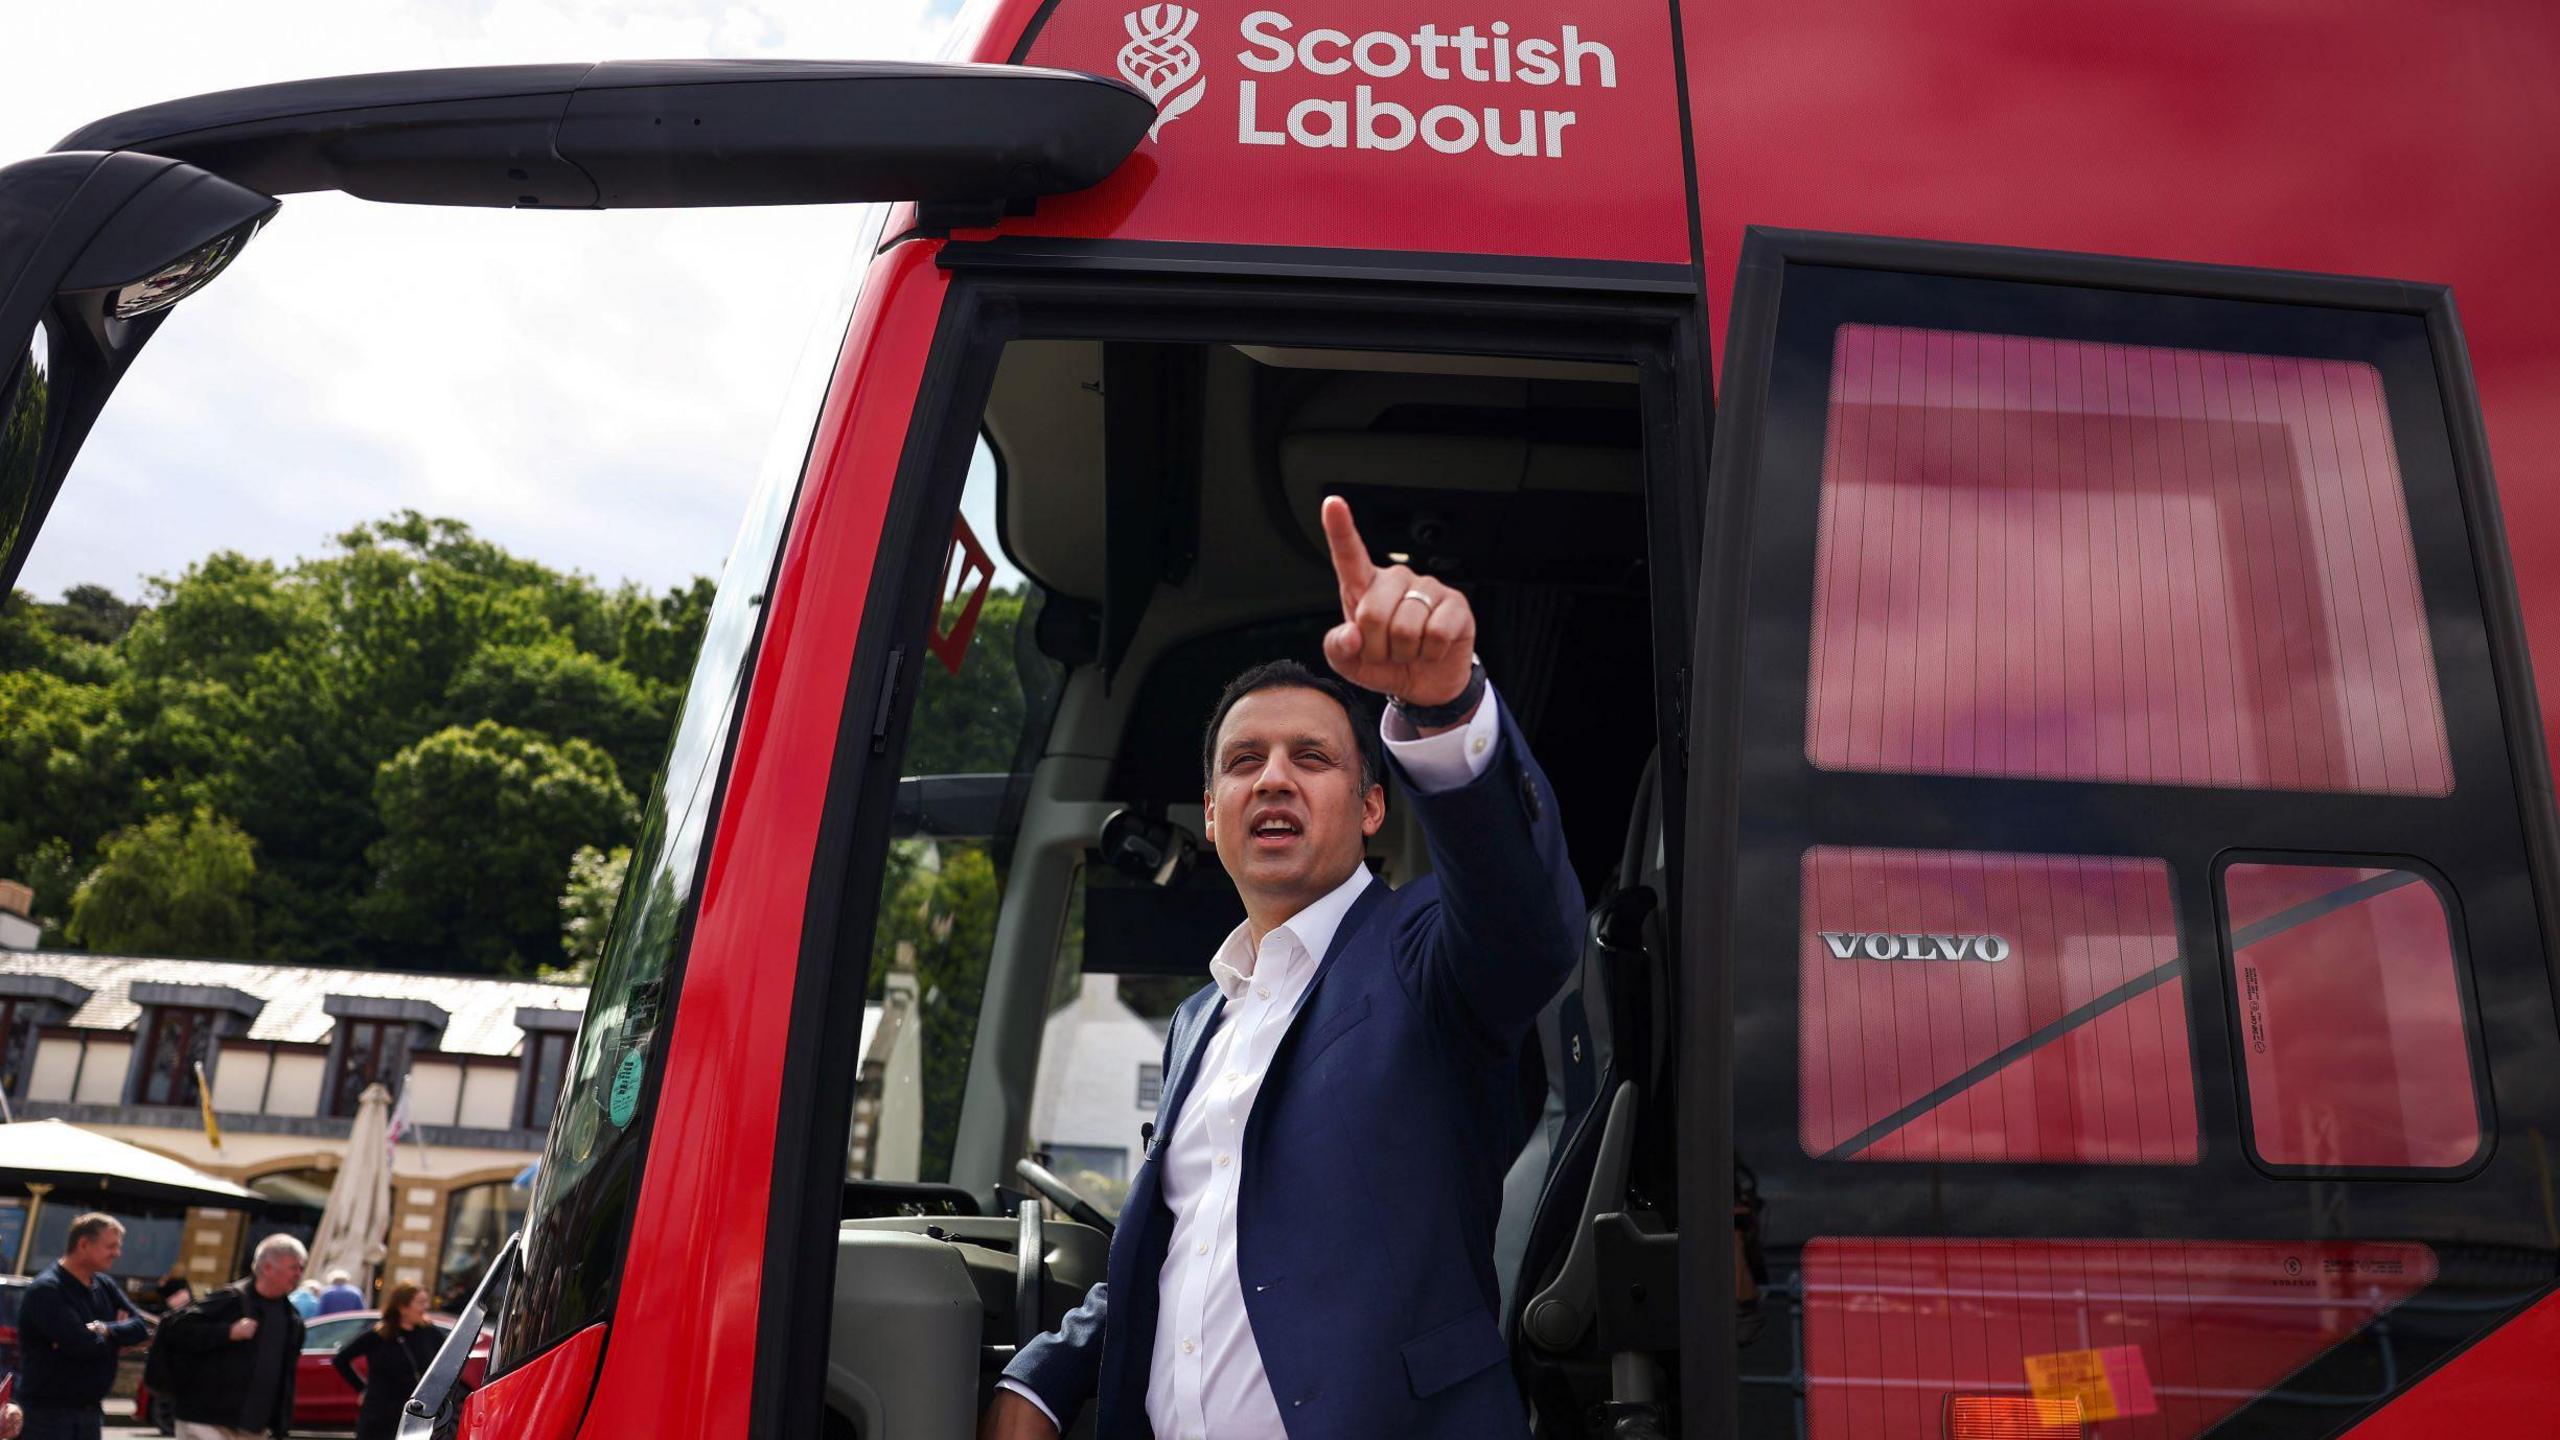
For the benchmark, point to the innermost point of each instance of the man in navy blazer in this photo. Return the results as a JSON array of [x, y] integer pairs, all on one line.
[[1307, 1249]]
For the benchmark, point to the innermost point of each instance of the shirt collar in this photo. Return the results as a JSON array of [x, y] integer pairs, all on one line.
[[1309, 932]]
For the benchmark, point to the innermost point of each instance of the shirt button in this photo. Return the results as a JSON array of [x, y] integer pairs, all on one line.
[[1222, 1161], [1262, 992], [1202, 1247], [1478, 747], [1188, 1347]]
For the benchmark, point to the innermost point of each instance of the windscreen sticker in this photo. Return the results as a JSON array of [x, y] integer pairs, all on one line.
[[625, 1096], [2105, 1384]]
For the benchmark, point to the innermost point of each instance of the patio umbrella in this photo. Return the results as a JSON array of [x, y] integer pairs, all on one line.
[[359, 1210], [48, 1155]]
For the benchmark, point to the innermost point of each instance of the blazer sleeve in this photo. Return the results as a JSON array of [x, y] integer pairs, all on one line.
[[1506, 925]]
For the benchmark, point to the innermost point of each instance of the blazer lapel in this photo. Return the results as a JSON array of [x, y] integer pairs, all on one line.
[[1372, 900]]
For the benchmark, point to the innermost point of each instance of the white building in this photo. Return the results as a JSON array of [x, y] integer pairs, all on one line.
[[113, 1043], [1101, 1066]]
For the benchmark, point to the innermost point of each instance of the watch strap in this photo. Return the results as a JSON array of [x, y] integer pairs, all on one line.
[[1449, 712]]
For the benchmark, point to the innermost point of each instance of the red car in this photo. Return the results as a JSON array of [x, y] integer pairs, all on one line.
[[321, 1401]]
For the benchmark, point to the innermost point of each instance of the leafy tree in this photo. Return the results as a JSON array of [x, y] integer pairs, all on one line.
[[172, 885], [969, 721], [62, 764], [479, 825], [553, 688], [586, 909], [92, 613], [54, 873], [658, 636], [938, 912]]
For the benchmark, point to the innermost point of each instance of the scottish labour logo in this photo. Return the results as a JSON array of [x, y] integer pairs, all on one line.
[[1161, 62]]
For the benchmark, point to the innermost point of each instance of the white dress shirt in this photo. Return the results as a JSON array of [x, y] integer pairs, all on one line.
[[1205, 1379]]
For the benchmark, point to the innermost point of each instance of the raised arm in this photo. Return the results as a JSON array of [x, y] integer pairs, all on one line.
[[1508, 926]]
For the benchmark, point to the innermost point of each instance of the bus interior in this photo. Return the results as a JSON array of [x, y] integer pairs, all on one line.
[[1138, 525]]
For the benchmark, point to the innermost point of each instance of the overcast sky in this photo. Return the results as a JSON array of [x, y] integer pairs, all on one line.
[[591, 390]]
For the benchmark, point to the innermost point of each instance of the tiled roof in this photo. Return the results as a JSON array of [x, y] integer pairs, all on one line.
[[483, 1009]]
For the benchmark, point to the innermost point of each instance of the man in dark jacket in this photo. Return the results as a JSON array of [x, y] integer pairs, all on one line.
[[70, 1326], [234, 1351]]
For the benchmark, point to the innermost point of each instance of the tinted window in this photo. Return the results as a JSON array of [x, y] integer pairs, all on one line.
[[2076, 561], [328, 1335], [2355, 1039]]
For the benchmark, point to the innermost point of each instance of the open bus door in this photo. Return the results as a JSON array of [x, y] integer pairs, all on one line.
[[2120, 806]]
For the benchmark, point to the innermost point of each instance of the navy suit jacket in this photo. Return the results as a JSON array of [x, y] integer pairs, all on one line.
[[1375, 1152]]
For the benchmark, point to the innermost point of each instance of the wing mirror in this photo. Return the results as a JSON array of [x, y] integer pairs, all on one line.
[[94, 249]]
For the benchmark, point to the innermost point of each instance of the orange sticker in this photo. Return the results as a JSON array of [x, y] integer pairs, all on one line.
[[2076, 1375]]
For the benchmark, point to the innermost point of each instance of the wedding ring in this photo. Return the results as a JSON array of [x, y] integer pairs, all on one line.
[[1427, 602]]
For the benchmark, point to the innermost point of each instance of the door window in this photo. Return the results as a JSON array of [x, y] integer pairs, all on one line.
[[2133, 858], [2081, 560], [2354, 1030], [984, 696]]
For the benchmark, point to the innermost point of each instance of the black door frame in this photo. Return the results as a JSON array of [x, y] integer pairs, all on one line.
[[1645, 316]]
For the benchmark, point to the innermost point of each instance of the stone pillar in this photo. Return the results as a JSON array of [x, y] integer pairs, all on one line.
[[414, 1208], [211, 1254]]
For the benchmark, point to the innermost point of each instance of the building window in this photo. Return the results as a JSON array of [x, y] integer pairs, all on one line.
[[17, 1047], [1150, 1085], [546, 1061], [369, 1052], [477, 1219], [177, 1041]]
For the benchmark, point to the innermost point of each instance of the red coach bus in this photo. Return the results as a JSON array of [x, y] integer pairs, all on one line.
[[1986, 513]]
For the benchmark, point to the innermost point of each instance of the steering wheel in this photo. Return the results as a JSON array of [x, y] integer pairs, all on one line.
[[1061, 1194], [1030, 1246]]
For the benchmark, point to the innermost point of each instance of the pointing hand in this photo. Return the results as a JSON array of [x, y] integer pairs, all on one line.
[[1402, 634]]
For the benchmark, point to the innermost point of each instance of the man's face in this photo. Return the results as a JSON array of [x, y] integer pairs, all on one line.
[[1285, 806], [279, 1274], [101, 1251]]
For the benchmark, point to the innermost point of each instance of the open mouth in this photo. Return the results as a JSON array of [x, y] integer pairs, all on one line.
[[1272, 831]]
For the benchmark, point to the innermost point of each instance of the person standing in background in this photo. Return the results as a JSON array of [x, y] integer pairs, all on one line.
[[69, 1331], [341, 1296], [234, 1351], [396, 1353], [305, 1299]]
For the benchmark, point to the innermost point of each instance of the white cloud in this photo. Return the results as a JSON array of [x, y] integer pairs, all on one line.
[[593, 390]]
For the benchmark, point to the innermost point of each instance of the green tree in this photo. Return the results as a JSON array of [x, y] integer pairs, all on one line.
[[63, 766], [173, 885], [938, 910], [558, 690], [92, 613], [658, 636], [478, 827], [969, 721], [586, 909]]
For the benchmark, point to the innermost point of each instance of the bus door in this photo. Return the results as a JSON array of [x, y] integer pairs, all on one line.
[[2124, 823]]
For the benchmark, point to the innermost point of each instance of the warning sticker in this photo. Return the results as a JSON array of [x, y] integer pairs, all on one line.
[[2108, 1384]]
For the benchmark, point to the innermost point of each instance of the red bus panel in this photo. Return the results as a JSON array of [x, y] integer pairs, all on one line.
[[2145, 1340], [1976, 1007], [1544, 129]]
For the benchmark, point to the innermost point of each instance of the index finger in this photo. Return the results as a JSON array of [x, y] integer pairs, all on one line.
[[1351, 568]]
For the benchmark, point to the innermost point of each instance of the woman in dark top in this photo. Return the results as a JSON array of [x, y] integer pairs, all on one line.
[[395, 1353]]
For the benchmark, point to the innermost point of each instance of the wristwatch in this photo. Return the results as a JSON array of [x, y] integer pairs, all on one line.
[[1432, 717]]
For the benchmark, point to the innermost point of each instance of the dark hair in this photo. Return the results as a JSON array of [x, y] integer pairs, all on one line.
[[90, 1227], [392, 1304], [1290, 675]]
